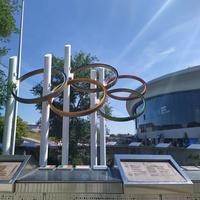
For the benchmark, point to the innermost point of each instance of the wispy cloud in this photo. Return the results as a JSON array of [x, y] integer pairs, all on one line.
[[145, 28], [168, 51], [176, 46], [152, 55]]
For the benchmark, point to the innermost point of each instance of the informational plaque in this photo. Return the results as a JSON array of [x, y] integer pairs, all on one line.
[[8, 169], [151, 172]]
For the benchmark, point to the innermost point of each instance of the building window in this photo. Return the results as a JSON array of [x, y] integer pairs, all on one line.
[[170, 111]]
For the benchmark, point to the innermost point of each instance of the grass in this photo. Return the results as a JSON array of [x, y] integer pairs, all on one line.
[[33, 135], [37, 136]]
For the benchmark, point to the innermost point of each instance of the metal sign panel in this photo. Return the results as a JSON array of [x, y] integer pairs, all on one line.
[[153, 173], [8, 169], [150, 172], [11, 167]]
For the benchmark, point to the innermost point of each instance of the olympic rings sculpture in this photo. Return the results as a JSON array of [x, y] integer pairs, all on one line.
[[100, 88], [43, 98]]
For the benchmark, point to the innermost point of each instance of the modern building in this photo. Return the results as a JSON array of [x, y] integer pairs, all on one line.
[[172, 110], [34, 127]]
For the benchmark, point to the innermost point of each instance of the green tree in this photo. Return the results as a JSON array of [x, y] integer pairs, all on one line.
[[79, 126], [1, 128], [21, 131], [3, 91], [8, 10], [185, 140]]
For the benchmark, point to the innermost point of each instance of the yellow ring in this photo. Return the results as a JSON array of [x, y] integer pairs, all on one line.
[[85, 112]]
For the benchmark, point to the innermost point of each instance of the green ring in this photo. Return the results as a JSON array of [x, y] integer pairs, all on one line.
[[124, 119]]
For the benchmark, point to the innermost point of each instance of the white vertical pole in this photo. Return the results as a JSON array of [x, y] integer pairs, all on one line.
[[102, 125], [15, 113], [66, 100], [45, 111], [9, 108], [93, 124]]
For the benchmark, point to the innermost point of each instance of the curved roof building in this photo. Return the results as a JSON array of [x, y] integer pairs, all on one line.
[[172, 106]]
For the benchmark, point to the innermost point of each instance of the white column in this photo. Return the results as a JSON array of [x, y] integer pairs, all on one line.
[[9, 108], [66, 101], [45, 111], [102, 125], [93, 124]]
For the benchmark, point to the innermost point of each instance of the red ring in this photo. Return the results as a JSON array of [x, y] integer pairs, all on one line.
[[130, 97]]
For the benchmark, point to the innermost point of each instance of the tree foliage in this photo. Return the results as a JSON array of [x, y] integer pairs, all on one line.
[[79, 126], [3, 91], [8, 10], [1, 128], [21, 131]]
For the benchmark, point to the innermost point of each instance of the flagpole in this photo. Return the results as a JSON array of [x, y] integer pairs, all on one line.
[[14, 126]]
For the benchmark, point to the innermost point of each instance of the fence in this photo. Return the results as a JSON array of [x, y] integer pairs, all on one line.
[[182, 156]]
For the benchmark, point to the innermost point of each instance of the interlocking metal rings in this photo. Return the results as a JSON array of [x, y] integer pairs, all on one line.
[[131, 117], [85, 112], [43, 98], [111, 83], [100, 88], [130, 97]]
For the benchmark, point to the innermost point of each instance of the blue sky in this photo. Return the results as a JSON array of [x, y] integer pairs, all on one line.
[[145, 38]]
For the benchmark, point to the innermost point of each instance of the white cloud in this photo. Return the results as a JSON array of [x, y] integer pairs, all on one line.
[[168, 51], [145, 28]]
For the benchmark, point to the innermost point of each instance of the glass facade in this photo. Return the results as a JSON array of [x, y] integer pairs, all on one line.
[[170, 111]]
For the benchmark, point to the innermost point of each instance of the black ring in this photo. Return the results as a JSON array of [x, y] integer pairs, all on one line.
[[43, 98], [115, 78]]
